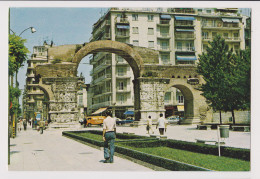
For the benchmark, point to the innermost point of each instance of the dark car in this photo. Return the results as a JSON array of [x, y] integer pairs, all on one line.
[[121, 121]]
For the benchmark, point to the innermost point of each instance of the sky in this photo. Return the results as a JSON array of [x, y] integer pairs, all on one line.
[[62, 25]]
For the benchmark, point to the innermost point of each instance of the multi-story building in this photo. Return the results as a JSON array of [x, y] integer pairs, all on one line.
[[35, 98], [179, 34]]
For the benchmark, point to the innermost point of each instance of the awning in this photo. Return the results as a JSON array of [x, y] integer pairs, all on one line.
[[186, 18], [122, 26], [185, 30], [100, 110], [129, 113], [230, 20], [168, 17], [180, 108], [183, 58]]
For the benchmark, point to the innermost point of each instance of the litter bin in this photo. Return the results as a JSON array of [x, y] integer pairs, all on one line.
[[224, 131]]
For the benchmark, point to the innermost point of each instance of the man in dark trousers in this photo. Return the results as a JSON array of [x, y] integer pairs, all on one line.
[[109, 136]]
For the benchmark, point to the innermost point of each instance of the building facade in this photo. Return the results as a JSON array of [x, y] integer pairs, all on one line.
[[179, 34]]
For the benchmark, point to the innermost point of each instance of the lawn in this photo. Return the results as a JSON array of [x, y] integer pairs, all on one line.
[[211, 162]]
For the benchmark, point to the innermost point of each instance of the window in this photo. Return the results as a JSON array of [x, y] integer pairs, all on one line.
[[164, 31], [135, 30], [205, 35], [135, 42], [179, 46], [180, 99], [150, 44], [121, 85], [235, 35], [120, 71], [225, 35], [167, 97], [208, 11], [121, 98], [120, 59], [150, 31], [214, 23], [199, 10], [135, 17], [214, 34], [165, 58], [150, 17], [189, 46], [165, 45]]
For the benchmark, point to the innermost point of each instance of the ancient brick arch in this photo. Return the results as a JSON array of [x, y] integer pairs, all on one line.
[[124, 50]]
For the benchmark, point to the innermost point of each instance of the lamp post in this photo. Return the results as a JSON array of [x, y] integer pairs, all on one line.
[[32, 30]]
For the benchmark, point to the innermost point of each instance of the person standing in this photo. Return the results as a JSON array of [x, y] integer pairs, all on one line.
[[24, 124], [149, 125], [85, 122], [109, 136], [41, 126], [161, 124]]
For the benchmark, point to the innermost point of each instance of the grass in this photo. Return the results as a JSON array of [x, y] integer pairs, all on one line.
[[202, 160], [211, 162]]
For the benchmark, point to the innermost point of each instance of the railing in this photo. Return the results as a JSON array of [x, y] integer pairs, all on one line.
[[106, 36], [122, 34], [184, 11], [187, 49], [164, 48], [164, 22], [184, 36], [220, 25], [183, 23], [164, 35], [226, 38]]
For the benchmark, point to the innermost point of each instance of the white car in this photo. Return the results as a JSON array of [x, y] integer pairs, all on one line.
[[173, 120]]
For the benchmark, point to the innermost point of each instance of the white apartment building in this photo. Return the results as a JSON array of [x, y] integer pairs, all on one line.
[[180, 35]]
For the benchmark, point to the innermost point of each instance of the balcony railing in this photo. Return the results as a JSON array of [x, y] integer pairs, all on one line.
[[164, 22], [184, 36], [122, 35], [183, 11], [220, 25], [185, 49], [163, 35], [122, 20], [106, 36], [184, 23], [164, 48], [226, 38]]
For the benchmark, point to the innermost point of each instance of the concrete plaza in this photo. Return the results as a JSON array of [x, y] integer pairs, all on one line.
[[50, 151]]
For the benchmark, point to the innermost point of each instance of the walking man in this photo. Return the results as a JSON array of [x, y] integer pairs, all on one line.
[[161, 124], [109, 136], [149, 125]]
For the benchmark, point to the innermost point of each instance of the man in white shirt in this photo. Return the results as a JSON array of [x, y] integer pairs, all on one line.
[[161, 124], [109, 136]]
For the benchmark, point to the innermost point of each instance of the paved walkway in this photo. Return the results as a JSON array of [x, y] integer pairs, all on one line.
[[50, 151]]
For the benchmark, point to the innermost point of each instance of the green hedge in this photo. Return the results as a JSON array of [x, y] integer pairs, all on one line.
[[158, 161]]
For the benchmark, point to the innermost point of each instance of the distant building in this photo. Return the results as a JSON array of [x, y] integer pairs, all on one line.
[[180, 35]]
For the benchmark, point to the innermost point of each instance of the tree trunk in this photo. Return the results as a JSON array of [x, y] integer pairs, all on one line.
[[233, 116], [220, 119], [16, 81]]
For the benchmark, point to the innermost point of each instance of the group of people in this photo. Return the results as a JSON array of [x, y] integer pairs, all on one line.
[[22, 122], [109, 133], [161, 125]]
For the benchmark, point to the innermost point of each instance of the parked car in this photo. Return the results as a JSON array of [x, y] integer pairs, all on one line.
[[173, 120], [95, 120], [121, 121]]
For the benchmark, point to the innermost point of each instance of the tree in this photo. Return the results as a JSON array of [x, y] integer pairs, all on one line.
[[17, 55], [226, 76]]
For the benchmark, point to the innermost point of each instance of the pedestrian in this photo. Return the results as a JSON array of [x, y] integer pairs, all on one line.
[[85, 122], [19, 124], [161, 124], [30, 122], [41, 126], [35, 123], [149, 125], [24, 124], [109, 136]]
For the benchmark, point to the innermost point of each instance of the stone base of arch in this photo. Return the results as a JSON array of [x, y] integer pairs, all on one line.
[[191, 120]]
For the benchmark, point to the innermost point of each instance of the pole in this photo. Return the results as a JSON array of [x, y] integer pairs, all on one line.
[[218, 142]]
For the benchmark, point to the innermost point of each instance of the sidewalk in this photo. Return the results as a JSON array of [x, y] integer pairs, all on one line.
[[50, 151]]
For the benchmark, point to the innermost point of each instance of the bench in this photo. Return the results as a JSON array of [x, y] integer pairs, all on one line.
[[207, 127], [241, 128], [208, 141]]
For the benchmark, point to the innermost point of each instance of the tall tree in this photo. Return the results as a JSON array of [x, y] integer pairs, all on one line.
[[227, 77]]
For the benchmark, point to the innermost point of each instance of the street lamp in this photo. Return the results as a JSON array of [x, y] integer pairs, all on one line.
[[32, 30]]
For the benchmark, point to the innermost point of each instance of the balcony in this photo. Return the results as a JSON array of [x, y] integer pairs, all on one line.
[[164, 23], [102, 78], [164, 48], [102, 104], [184, 36], [125, 90], [31, 101], [122, 35], [185, 49], [120, 20], [163, 36], [106, 36], [30, 75], [181, 10], [227, 39], [184, 23], [220, 25], [105, 63]]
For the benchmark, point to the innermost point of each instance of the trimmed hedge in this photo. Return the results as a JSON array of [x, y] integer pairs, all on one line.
[[159, 161]]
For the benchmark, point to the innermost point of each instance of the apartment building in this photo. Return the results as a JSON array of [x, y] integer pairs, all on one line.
[[179, 34], [34, 95]]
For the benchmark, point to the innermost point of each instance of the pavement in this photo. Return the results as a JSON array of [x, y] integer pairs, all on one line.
[[50, 151]]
